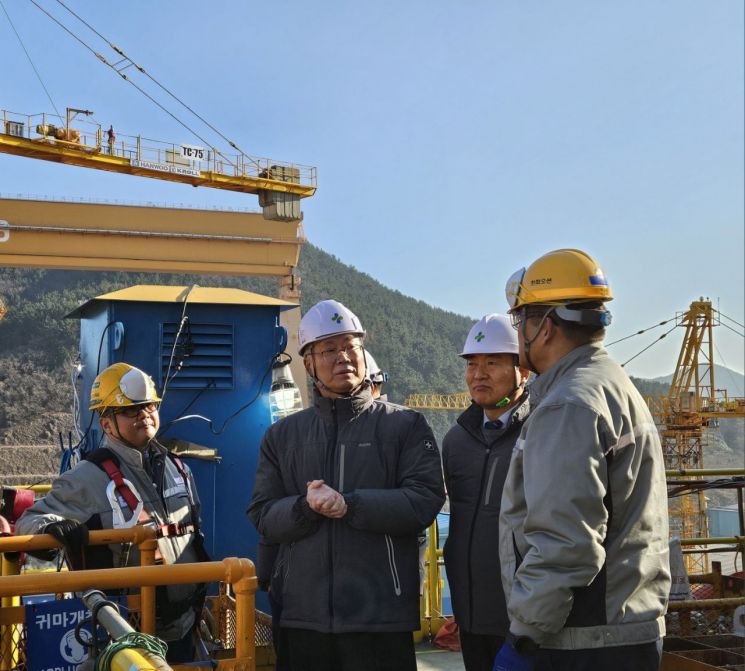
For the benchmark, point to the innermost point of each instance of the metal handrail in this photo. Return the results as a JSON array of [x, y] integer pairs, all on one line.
[[240, 573], [143, 537]]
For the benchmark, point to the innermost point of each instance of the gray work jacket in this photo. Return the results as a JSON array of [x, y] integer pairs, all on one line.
[[81, 494], [359, 573], [584, 525]]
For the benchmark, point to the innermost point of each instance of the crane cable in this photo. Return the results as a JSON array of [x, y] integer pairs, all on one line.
[[654, 342], [155, 81], [649, 328], [721, 314], [36, 72], [127, 79]]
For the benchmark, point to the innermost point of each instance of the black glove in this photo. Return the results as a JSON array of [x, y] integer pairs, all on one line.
[[74, 537]]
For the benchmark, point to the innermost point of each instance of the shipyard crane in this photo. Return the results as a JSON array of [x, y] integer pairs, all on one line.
[[692, 406], [78, 142]]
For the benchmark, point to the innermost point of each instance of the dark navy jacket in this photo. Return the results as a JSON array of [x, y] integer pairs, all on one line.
[[358, 573], [475, 470]]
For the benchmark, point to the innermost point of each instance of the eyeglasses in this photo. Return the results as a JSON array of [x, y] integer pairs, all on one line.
[[332, 354], [132, 411], [517, 318]]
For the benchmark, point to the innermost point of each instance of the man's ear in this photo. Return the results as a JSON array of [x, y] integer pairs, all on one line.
[[106, 424], [307, 364]]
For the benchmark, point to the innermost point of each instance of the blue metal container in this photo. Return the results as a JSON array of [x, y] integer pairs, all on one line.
[[220, 369]]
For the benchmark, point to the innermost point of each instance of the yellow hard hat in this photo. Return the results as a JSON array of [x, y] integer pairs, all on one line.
[[121, 385], [561, 276]]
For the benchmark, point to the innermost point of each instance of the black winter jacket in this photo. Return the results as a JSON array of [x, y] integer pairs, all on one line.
[[358, 573], [475, 472]]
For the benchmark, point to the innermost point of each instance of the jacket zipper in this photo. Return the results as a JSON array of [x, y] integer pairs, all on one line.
[[470, 536], [392, 564]]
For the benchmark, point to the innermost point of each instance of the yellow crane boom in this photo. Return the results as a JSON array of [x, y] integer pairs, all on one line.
[[280, 186]]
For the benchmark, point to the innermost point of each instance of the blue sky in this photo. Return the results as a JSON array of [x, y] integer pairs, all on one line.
[[455, 141]]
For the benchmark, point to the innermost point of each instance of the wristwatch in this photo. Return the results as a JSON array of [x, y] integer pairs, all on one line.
[[523, 644]]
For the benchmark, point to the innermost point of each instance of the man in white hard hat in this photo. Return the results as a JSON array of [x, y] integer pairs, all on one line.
[[476, 453], [131, 479], [583, 527], [376, 376], [345, 487]]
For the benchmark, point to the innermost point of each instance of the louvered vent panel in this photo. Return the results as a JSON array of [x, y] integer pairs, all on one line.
[[207, 354]]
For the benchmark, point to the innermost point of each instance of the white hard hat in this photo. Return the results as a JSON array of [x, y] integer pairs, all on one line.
[[326, 319], [374, 374], [492, 334]]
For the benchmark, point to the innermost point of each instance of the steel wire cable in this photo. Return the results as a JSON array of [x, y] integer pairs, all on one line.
[[23, 46], [654, 342], [125, 78], [728, 369], [126, 58], [649, 328], [721, 314], [727, 326]]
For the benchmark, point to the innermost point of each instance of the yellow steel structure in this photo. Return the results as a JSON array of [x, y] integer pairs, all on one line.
[[239, 573], [692, 405], [40, 136], [458, 401], [96, 236]]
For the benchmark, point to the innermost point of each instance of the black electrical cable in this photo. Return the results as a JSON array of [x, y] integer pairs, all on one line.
[[98, 367], [237, 412], [182, 322], [194, 399]]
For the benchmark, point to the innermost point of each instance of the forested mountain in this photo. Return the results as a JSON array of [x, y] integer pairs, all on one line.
[[416, 343]]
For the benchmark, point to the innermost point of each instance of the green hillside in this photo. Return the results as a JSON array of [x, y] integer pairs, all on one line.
[[416, 343]]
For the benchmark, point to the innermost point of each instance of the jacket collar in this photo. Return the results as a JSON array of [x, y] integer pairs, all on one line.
[[472, 417], [344, 409], [543, 383], [129, 455]]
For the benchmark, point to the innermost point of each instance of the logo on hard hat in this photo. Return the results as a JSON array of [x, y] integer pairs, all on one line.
[[479, 336], [337, 318], [598, 279]]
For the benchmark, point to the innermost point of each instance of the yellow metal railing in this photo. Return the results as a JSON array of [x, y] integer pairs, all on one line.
[[239, 573]]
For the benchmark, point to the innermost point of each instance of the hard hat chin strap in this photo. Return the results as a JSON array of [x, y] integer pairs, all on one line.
[[123, 440], [317, 382], [527, 342], [509, 398]]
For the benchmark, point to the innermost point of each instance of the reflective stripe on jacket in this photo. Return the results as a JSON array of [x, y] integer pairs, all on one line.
[[361, 572], [584, 527], [80, 494]]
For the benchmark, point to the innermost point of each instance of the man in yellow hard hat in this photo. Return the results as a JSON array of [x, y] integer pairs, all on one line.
[[131, 479], [583, 526]]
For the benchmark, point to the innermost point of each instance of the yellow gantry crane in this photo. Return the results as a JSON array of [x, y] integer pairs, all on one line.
[[458, 401], [692, 406]]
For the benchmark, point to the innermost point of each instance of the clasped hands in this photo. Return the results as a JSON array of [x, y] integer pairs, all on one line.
[[325, 501]]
